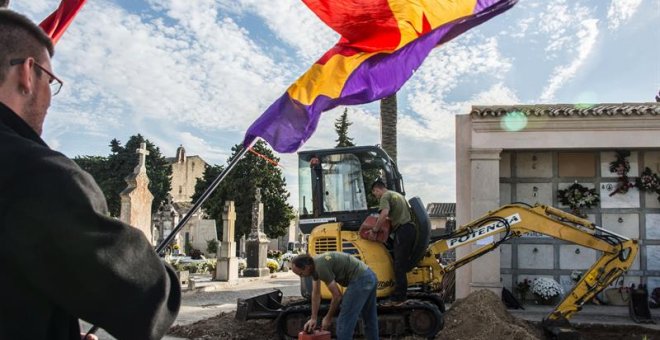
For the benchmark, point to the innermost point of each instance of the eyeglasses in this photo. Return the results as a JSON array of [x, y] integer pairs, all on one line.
[[55, 83]]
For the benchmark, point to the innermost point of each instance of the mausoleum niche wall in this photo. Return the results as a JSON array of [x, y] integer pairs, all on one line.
[[537, 176]]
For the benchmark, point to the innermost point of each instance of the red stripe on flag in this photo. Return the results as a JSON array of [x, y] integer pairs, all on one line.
[[56, 23], [264, 157], [366, 25]]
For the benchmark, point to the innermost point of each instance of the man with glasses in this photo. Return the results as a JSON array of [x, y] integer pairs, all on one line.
[[63, 257]]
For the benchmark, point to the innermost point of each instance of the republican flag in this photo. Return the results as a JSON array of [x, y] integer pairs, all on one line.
[[56, 23], [382, 43]]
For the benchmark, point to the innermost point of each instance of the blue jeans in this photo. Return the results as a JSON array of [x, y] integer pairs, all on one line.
[[359, 299]]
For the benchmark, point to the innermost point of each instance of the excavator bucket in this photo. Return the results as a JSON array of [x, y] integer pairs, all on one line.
[[264, 306], [639, 306]]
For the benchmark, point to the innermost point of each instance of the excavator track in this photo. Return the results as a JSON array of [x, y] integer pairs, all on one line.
[[414, 317]]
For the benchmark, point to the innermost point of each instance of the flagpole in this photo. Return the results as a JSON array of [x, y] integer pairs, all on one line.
[[205, 195]]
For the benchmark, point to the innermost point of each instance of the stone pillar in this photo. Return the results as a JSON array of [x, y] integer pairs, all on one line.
[[485, 196], [136, 198], [227, 268], [257, 242]]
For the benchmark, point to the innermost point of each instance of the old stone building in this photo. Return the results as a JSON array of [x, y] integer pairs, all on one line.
[[186, 170], [526, 153]]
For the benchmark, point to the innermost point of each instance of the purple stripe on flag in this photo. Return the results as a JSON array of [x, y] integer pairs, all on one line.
[[287, 123]]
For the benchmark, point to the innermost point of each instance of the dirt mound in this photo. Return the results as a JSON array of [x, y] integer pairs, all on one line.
[[482, 316], [225, 326]]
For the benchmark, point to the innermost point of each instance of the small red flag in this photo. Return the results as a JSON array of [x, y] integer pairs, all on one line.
[[56, 23]]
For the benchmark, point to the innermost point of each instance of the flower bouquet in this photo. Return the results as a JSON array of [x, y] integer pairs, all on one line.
[[577, 197], [621, 166], [546, 290], [648, 181]]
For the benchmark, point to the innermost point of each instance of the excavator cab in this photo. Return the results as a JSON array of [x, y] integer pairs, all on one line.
[[335, 185]]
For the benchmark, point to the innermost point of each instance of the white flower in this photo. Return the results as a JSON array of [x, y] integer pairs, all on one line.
[[546, 288], [288, 256]]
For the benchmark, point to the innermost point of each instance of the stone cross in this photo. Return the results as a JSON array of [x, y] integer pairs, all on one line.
[[257, 243], [143, 152], [136, 198], [227, 265]]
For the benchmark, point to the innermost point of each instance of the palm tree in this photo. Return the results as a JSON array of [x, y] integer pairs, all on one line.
[[388, 113]]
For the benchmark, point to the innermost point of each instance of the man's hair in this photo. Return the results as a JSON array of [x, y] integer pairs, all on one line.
[[303, 260], [20, 38], [378, 184]]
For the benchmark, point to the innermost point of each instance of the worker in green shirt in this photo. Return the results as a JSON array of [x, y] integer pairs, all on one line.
[[334, 269], [395, 207]]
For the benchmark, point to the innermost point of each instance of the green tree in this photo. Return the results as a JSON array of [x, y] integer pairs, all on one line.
[[341, 126], [110, 172], [240, 186]]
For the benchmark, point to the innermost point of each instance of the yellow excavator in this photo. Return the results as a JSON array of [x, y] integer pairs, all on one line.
[[334, 200]]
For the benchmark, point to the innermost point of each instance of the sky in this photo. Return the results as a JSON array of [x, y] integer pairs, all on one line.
[[198, 73]]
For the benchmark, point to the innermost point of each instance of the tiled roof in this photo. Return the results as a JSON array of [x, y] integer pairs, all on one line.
[[441, 209], [565, 110]]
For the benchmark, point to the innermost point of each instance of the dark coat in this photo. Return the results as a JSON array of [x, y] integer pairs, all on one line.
[[63, 258]]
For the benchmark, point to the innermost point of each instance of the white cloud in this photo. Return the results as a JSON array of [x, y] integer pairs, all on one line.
[[292, 22], [444, 70], [498, 94], [198, 69], [586, 37], [620, 11]]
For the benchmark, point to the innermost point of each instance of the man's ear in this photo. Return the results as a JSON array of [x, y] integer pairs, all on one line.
[[25, 76]]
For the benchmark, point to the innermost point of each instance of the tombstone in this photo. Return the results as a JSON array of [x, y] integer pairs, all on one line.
[[257, 242], [136, 198], [227, 265], [241, 246]]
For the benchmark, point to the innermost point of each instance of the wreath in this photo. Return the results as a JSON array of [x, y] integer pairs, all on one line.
[[578, 196], [621, 166], [649, 182]]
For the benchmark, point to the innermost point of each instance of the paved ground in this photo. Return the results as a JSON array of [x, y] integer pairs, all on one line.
[[590, 314], [209, 298]]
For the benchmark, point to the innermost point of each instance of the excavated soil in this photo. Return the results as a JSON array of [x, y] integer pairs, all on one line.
[[225, 326], [480, 316]]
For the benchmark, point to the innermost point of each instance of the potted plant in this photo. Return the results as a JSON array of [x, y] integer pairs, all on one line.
[[547, 291], [212, 248], [522, 288]]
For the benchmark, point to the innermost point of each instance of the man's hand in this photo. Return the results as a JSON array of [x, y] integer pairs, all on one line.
[[88, 337], [327, 323], [372, 235], [310, 325]]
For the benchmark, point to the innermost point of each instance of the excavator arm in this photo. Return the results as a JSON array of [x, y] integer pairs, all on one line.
[[515, 220]]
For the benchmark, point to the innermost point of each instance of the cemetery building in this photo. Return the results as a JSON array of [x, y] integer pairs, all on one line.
[[186, 170], [441, 217], [527, 153]]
